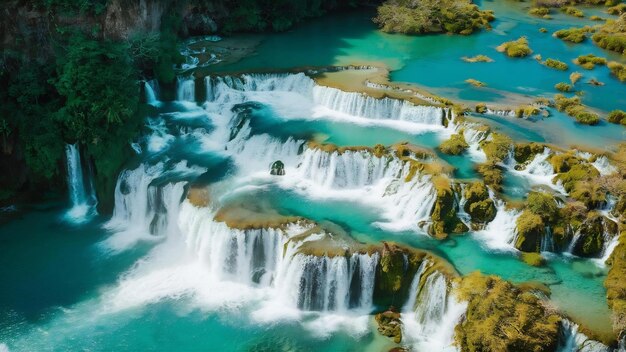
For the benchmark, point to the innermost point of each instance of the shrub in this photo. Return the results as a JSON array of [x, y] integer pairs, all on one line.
[[574, 35], [556, 64], [481, 108], [612, 35], [456, 145], [618, 69], [617, 116], [477, 58], [539, 11], [516, 48], [589, 61], [563, 87], [617, 9], [572, 11]]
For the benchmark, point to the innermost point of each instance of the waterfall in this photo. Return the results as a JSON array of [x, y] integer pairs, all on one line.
[[473, 137], [371, 180], [547, 242], [81, 190], [431, 313], [537, 171], [361, 105], [322, 283], [151, 89], [229, 89], [571, 339], [603, 166], [572, 244], [500, 233], [186, 89]]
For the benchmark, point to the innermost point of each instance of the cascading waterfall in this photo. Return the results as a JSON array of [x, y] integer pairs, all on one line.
[[547, 241], [473, 137], [500, 233], [431, 313], [152, 90], [185, 89], [322, 283], [81, 190], [366, 178], [538, 171], [361, 105], [572, 339], [603, 166]]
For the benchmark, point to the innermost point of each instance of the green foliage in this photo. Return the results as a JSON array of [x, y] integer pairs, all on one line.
[[503, 317], [539, 11], [544, 205], [73, 7], [456, 145], [612, 35], [617, 116], [478, 204], [574, 35], [589, 61], [574, 108], [492, 174], [572, 11], [556, 64], [497, 147], [617, 9], [618, 70], [418, 17], [530, 229], [563, 87], [515, 48]]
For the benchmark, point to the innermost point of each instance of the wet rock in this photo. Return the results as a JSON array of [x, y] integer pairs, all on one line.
[[389, 324], [278, 168]]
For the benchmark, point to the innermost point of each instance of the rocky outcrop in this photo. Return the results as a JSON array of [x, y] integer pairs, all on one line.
[[478, 204], [389, 324]]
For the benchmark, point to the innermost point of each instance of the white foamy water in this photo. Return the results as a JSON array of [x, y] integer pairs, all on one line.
[[80, 185]]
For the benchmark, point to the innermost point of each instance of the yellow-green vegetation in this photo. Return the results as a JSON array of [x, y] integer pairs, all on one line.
[[390, 325], [617, 116], [572, 11], [515, 48], [443, 215], [455, 145], [574, 108], [497, 146], [538, 57], [574, 77], [589, 61], [616, 285], [526, 151], [556, 64], [478, 204], [492, 174], [574, 35], [431, 16], [504, 317], [617, 10], [532, 259], [475, 82], [596, 18], [539, 11], [563, 87], [481, 108], [477, 58], [591, 242], [527, 111], [574, 172], [532, 222], [612, 35], [543, 30], [618, 70]]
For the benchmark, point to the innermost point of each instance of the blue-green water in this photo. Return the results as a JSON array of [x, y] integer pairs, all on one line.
[[63, 290]]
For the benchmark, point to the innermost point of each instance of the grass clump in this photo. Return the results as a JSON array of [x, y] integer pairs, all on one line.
[[572, 11], [556, 64], [481, 108], [617, 116], [455, 145], [543, 30], [618, 70], [477, 58], [503, 317], [574, 108], [539, 11], [475, 82], [617, 10], [612, 35], [573, 35], [589, 61], [564, 87], [515, 48]]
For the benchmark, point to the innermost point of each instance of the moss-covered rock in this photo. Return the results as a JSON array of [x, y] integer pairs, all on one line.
[[443, 215], [455, 145], [616, 285], [497, 147], [532, 259], [481, 108], [527, 151], [617, 116], [556, 64], [394, 273], [389, 324], [278, 168], [515, 48], [492, 174], [478, 204], [591, 240], [503, 317], [589, 61], [577, 172], [530, 230], [544, 205]]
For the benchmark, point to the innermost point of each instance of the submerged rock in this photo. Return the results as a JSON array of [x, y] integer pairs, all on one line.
[[389, 324], [278, 168]]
